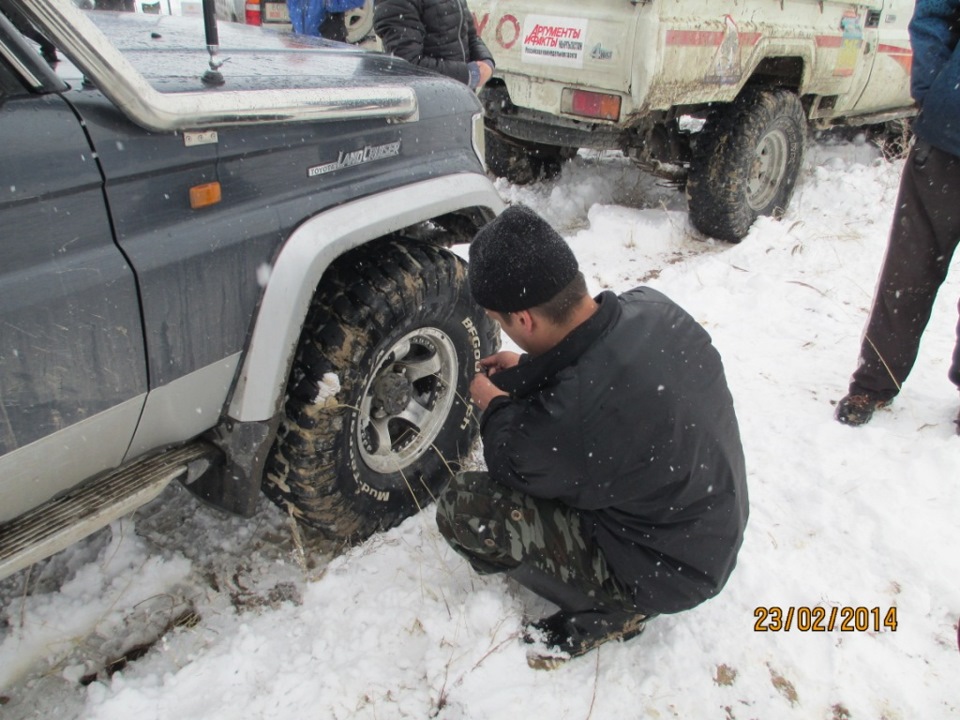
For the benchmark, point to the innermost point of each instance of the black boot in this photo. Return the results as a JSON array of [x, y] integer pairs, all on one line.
[[583, 622], [566, 635], [857, 408]]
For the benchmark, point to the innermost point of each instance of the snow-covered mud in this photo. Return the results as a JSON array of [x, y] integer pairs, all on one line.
[[182, 612]]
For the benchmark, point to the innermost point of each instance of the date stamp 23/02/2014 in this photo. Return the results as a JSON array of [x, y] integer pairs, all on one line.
[[825, 619]]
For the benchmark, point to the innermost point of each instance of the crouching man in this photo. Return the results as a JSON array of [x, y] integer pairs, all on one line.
[[615, 483]]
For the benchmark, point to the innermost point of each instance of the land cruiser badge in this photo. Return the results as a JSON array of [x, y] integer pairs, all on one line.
[[370, 153]]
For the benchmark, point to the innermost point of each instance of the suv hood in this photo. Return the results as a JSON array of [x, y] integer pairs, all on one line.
[[150, 67], [171, 53]]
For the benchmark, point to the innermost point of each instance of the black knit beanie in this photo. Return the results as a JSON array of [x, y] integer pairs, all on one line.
[[517, 261]]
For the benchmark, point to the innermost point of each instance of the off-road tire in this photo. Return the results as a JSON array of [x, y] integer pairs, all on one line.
[[395, 324], [523, 163], [746, 162]]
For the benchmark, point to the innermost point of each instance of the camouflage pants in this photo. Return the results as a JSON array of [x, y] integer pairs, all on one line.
[[538, 542]]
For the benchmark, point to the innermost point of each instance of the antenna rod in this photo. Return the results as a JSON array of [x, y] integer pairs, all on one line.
[[213, 75]]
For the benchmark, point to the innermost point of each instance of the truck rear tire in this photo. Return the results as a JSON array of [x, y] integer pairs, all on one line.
[[521, 162], [377, 415], [746, 162]]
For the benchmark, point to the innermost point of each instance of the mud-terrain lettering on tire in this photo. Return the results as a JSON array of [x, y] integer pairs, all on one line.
[[746, 162], [394, 322]]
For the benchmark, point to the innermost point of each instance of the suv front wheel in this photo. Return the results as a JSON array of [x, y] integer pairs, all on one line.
[[377, 415]]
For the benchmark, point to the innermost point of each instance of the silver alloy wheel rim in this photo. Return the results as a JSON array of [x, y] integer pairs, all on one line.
[[769, 169], [407, 400]]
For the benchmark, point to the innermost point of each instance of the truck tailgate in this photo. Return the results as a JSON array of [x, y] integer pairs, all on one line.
[[582, 46]]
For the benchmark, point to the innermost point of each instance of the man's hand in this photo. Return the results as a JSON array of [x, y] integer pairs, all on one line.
[[486, 72], [503, 360], [482, 391]]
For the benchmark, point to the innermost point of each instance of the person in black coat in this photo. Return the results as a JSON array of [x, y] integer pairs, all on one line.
[[439, 35], [615, 483]]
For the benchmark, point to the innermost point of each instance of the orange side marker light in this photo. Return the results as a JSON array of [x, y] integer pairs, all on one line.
[[204, 195]]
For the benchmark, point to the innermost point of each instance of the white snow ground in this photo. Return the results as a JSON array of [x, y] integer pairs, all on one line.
[[401, 628]]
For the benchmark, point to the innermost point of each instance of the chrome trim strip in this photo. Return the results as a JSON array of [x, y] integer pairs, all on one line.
[[10, 54], [24, 71], [479, 138], [115, 77]]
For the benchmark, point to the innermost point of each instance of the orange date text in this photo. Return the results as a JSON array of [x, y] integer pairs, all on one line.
[[825, 619]]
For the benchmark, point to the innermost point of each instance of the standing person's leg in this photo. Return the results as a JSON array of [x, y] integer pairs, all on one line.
[[923, 238]]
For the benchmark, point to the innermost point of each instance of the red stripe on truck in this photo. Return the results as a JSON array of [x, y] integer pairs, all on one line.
[[707, 38]]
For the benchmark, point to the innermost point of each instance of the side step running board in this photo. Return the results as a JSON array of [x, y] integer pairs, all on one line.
[[60, 522]]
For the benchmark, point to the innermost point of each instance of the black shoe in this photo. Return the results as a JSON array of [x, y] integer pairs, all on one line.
[[566, 635], [857, 408]]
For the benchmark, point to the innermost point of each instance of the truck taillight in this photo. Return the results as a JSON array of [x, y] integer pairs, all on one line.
[[590, 104], [252, 13]]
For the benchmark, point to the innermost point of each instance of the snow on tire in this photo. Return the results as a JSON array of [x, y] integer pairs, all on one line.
[[746, 162], [377, 415]]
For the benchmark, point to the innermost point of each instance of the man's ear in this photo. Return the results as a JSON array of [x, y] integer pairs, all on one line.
[[526, 320]]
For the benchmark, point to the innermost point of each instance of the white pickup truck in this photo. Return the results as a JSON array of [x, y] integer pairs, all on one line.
[[644, 76]]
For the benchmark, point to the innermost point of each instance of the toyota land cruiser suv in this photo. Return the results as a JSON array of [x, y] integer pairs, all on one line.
[[224, 261]]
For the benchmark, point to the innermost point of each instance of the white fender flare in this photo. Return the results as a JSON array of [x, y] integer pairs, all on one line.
[[307, 254]]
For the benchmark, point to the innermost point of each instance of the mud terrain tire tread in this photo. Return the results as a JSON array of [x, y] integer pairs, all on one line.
[[523, 163], [726, 156], [368, 299]]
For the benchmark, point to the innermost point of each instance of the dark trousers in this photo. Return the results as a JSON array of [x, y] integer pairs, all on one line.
[[923, 238], [539, 543]]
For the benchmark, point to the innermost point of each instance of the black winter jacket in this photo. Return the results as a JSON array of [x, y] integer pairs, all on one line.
[[435, 34], [630, 420]]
